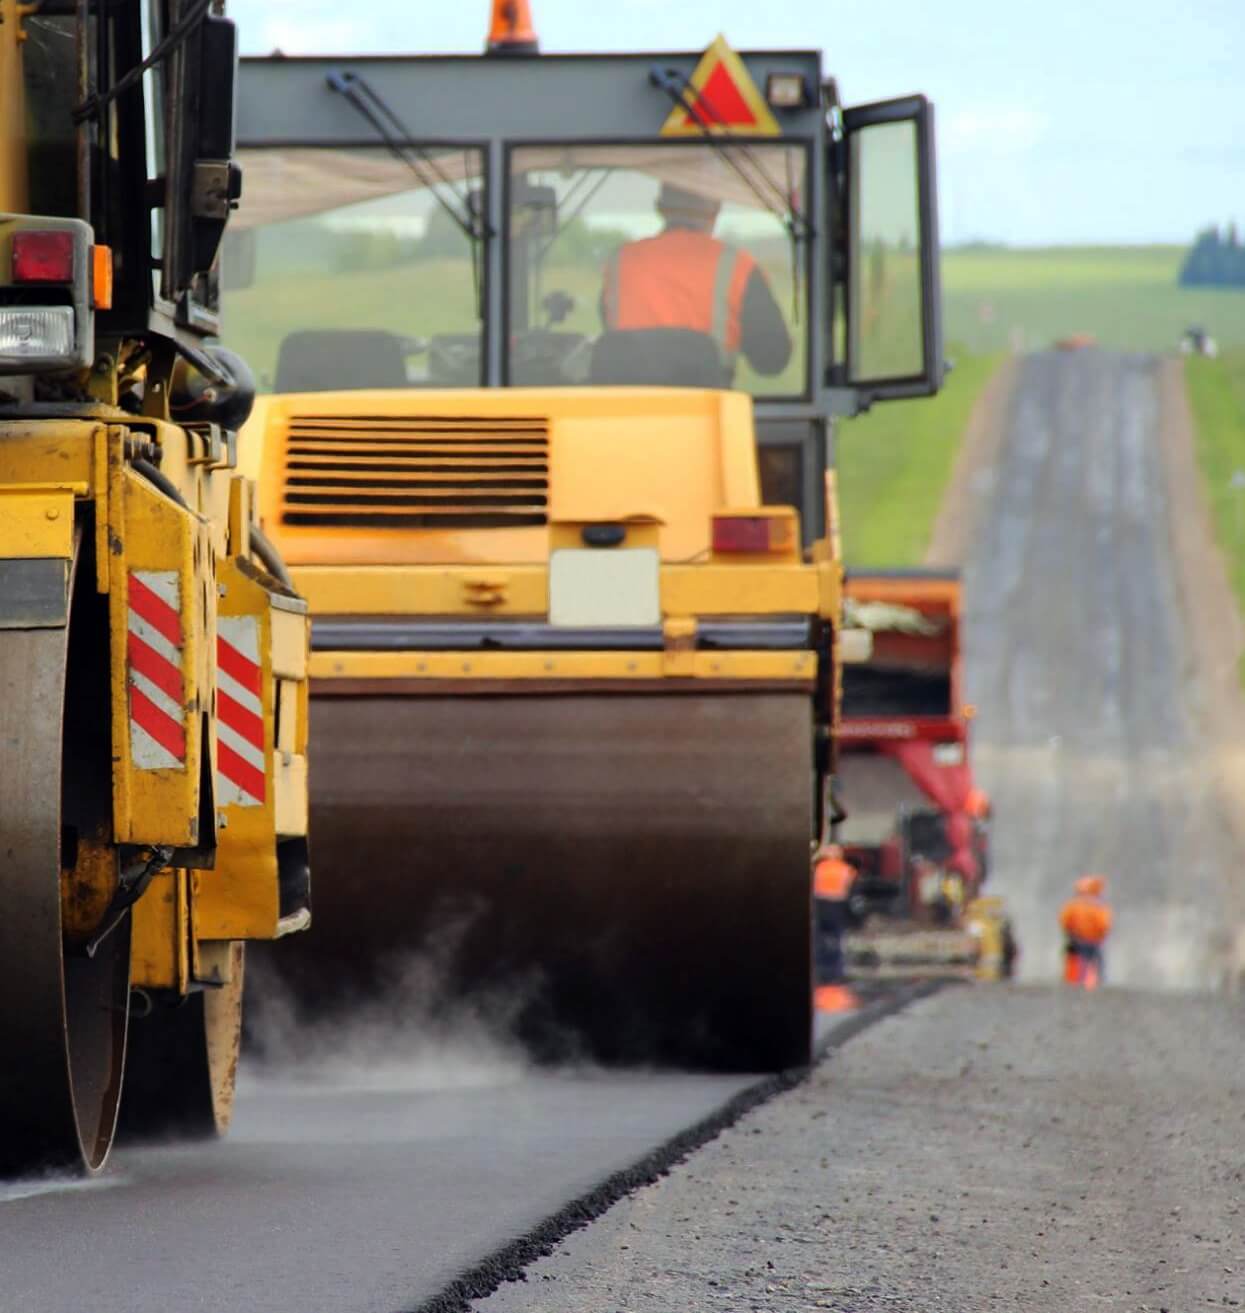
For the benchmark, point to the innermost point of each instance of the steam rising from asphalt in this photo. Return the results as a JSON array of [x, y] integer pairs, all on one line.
[[412, 1035]]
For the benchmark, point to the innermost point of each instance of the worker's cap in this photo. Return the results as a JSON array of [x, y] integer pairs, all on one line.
[[1091, 886], [689, 204]]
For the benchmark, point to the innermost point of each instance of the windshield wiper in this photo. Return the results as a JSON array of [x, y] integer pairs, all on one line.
[[704, 117], [778, 203], [468, 218]]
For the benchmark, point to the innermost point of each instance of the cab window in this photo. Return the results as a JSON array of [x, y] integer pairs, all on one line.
[[350, 268], [658, 264]]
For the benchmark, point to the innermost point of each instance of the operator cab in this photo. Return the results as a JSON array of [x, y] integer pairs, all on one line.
[[454, 221]]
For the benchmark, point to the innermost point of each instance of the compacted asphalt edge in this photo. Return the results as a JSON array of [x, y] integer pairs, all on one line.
[[508, 1263]]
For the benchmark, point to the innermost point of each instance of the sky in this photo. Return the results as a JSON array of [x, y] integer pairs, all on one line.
[[1059, 122]]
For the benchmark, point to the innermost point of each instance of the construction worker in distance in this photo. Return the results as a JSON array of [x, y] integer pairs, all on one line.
[[1086, 922], [833, 878], [686, 278]]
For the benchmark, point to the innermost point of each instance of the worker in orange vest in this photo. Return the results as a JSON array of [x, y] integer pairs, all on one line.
[[1086, 922], [686, 278], [833, 880]]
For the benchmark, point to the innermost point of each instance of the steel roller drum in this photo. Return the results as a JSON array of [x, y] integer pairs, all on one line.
[[62, 1015], [634, 866]]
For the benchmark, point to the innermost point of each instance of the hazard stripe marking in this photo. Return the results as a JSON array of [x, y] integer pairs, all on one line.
[[149, 663], [241, 763], [157, 690], [244, 748], [249, 780], [150, 606], [170, 735], [246, 724], [243, 697], [238, 666], [156, 696]]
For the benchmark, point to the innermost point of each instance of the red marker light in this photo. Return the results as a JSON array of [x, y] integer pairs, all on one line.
[[42, 257], [744, 533]]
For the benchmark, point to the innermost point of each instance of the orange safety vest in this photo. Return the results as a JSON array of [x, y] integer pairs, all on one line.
[[1086, 920], [679, 279], [832, 879]]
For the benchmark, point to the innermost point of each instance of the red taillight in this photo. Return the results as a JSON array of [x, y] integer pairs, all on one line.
[[42, 257], [751, 533]]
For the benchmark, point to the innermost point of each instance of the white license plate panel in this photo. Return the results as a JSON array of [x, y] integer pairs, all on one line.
[[604, 587]]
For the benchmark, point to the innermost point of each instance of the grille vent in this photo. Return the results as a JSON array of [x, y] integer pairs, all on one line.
[[416, 472]]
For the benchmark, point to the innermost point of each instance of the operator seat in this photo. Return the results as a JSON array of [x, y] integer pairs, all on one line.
[[322, 360], [658, 357]]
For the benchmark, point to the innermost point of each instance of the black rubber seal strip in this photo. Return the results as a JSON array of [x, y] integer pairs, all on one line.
[[507, 1263]]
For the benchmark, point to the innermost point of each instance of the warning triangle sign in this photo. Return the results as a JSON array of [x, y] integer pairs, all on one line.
[[721, 98]]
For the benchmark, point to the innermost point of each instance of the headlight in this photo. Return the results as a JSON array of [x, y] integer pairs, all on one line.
[[37, 336]]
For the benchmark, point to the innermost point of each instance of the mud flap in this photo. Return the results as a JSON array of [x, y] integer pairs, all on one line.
[[161, 607], [259, 887]]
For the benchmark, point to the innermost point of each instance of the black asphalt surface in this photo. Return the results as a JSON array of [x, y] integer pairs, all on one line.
[[367, 1186], [1083, 668]]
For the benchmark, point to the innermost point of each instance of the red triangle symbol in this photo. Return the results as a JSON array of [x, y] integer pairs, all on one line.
[[719, 103]]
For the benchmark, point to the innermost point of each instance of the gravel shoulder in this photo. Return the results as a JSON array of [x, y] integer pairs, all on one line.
[[1009, 1147]]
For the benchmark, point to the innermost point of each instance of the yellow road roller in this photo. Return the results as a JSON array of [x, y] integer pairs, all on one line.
[[549, 349], [153, 652]]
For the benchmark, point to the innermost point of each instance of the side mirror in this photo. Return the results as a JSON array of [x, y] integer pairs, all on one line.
[[204, 183], [893, 290]]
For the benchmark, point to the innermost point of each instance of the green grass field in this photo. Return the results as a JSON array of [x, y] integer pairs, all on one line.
[[998, 298], [894, 464], [1217, 399]]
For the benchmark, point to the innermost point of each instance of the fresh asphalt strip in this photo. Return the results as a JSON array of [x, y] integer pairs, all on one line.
[[507, 1263]]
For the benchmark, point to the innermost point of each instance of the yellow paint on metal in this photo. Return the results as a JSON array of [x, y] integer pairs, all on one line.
[[423, 590], [637, 666], [14, 166], [239, 533], [52, 452], [614, 454], [640, 532], [289, 643], [290, 788], [239, 898], [678, 636], [37, 521], [701, 589], [160, 940]]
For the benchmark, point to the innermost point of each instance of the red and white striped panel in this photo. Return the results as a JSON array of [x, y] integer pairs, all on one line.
[[240, 759], [154, 668]]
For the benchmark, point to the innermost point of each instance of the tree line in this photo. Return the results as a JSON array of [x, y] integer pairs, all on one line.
[[1216, 259]]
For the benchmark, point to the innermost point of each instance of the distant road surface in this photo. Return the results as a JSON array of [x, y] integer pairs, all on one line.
[[1083, 671]]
